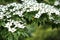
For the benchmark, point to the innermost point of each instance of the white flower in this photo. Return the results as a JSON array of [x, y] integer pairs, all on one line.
[[7, 13], [37, 16], [18, 13], [57, 13], [3, 9], [9, 24], [56, 3], [20, 6], [14, 9], [6, 8], [51, 18], [57, 21], [19, 25], [16, 23], [13, 4], [1, 15], [8, 5], [8, 16], [28, 10], [11, 10], [31, 9], [11, 29]]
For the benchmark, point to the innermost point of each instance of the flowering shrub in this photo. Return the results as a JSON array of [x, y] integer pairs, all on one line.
[[17, 21]]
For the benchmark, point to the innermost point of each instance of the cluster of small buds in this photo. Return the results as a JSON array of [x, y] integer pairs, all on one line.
[[11, 25]]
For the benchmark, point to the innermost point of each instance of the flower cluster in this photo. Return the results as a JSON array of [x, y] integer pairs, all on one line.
[[11, 25], [45, 8], [41, 7], [12, 9]]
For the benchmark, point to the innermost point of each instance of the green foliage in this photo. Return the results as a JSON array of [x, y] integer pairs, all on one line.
[[29, 16], [7, 1]]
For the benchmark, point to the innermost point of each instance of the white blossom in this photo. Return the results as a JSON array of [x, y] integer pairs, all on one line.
[[16, 23], [11, 29], [11, 10], [8, 16], [19, 13], [1, 15], [56, 3]]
